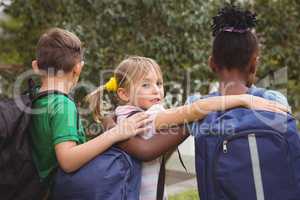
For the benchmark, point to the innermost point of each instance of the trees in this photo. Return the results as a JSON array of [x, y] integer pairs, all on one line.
[[279, 27], [175, 33]]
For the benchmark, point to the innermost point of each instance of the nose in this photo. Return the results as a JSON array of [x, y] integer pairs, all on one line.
[[155, 89]]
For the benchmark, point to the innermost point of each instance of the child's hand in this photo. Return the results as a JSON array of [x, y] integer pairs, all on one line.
[[258, 103], [132, 126]]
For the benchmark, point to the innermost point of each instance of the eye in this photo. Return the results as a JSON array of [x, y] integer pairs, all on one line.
[[159, 83], [145, 85]]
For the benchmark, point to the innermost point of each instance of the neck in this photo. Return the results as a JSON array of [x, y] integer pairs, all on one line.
[[233, 84], [56, 83], [232, 88]]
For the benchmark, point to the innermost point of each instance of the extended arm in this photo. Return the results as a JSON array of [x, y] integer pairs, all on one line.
[[154, 147], [72, 156], [201, 108], [150, 149]]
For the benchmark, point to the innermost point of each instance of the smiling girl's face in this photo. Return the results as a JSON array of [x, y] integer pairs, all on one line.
[[147, 91], [140, 82]]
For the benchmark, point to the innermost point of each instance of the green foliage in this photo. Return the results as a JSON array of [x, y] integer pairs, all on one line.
[[188, 195], [175, 33], [278, 30]]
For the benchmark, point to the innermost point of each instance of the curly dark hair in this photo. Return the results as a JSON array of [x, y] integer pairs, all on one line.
[[235, 18], [234, 42]]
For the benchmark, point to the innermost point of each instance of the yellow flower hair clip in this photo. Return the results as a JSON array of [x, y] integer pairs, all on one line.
[[111, 85]]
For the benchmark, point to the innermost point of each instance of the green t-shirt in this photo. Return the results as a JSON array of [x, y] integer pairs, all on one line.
[[55, 123]]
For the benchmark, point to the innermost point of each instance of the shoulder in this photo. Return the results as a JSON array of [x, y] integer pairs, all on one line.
[[276, 96], [123, 112], [63, 102], [58, 104], [59, 98], [192, 98], [54, 103], [55, 99], [126, 110], [272, 95]]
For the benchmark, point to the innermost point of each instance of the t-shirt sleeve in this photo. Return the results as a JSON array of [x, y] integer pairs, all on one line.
[[152, 111], [276, 96], [63, 122]]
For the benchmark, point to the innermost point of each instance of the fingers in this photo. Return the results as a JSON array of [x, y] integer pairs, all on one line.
[[280, 111], [142, 130], [283, 108], [134, 125], [139, 120], [143, 123], [139, 117], [267, 105], [278, 107]]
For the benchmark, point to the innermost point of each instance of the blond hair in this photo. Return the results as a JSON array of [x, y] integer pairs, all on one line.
[[128, 72]]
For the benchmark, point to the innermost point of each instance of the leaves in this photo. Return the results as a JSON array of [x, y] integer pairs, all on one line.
[[175, 33]]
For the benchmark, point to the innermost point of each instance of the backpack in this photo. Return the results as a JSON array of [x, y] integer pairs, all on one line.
[[243, 154], [162, 171], [19, 179], [113, 175]]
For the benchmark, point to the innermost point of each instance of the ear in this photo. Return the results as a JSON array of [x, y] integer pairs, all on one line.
[[252, 70], [253, 64], [212, 64], [123, 94], [77, 68], [35, 66]]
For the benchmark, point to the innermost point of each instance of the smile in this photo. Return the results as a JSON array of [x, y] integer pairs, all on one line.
[[156, 100]]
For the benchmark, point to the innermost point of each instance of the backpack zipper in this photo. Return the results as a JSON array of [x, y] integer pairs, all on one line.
[[223, 146], [225, 142], [227, 139]]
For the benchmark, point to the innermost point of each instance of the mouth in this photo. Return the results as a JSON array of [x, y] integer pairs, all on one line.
[[155, 100]]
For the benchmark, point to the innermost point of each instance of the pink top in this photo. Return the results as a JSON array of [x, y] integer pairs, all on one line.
[[150, 170]]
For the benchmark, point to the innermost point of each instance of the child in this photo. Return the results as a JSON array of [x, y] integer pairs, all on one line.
[[57, 134], [138, 85], [235, 55]]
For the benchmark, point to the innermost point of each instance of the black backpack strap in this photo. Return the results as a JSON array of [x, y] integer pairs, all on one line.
[[49, 92], [133, 113], [161, 179], [162, 176], [31, 88], [162, 171], [181, 160]]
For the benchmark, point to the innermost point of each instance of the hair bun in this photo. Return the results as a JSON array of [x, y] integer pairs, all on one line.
[[233, 19]]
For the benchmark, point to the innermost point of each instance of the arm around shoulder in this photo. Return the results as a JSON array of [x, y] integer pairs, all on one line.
[[160, 143], [198, 110]]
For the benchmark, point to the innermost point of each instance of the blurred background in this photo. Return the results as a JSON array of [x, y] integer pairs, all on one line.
[[176, 33]]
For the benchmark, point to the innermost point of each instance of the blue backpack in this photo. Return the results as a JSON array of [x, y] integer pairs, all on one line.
[[243, 154], [113, 175]]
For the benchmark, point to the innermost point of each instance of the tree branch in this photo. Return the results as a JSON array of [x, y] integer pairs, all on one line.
[[11, 66]]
